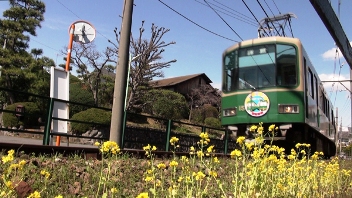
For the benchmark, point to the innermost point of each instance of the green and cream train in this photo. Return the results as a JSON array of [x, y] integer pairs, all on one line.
[[271, 80]]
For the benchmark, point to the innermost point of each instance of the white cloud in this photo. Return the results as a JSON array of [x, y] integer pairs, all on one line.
[[331, 53], [337, 85], [216, 85]]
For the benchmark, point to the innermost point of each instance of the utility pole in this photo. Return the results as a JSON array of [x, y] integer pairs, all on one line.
[[351, 97], [337, 133], [118, 106]]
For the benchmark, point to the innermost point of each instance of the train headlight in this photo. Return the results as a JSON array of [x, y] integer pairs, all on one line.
[[288, 108], [229, 112]]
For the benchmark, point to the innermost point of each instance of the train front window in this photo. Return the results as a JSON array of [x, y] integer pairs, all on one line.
[[259, 67], [256, 67]]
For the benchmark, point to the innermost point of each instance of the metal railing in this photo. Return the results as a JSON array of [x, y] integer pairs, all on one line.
[[132, 136]]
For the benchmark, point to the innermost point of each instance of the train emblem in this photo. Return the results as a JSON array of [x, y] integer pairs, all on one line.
[[257, 104]]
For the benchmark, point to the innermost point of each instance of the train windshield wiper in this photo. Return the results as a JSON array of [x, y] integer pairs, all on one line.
[[247, 83]]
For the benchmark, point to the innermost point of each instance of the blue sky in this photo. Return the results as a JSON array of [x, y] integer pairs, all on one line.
[[198, 50]]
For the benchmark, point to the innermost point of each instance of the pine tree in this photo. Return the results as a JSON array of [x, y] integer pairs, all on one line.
[[19, 23]]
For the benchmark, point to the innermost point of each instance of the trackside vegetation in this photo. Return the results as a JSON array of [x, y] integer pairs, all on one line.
[[254, 169]]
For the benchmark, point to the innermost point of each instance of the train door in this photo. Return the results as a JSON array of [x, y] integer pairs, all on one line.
[[305, 87]]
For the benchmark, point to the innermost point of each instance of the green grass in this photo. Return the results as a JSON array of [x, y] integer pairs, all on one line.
[[255, 170]]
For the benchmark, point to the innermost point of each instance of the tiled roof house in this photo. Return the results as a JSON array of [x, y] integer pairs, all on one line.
[[182, 84]]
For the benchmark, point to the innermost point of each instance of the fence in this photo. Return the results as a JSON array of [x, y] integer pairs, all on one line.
[[133, 136]]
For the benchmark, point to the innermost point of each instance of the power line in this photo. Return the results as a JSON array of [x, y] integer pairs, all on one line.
[[196, 23], [341, 65], [224, 21], [332, 86], [268, 17], [276, 7], [44, 45], [254, 17], [245, 19], [81, 19], [231, 14], [269, 8]]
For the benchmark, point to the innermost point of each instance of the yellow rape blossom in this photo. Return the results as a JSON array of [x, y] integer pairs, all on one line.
[[110, 147], [235, 153], [148, 179], [210, 149], [213, 173], [9, 184], [199, 176], [272, 128], [45, 173], [161, 166], [35, 194], [143, 195], [216, 160], [173, 163], [173, 140], [240, 139], [200, 154], [113, 190], [204, 136], [253, 128]]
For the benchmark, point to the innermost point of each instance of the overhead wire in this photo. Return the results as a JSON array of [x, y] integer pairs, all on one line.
[[224, 21], [45, 45], [269, 8], [81, 19], [239, 16], [338, 78], [231, 14], [268, 17], [196, 23], [254, 17], [345, 107], [232, 9], [276, 7], [333, 76]]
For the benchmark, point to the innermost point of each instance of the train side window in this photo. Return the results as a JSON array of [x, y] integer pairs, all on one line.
[[310, 83], [316, 90], [286, 60], [321, 98]]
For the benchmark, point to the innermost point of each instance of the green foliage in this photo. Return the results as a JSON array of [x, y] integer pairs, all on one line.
[[94, 115], [166, 104], [197, 116], [30, 117], [80, 94], [200, 114], [17, 23], [212, 122]]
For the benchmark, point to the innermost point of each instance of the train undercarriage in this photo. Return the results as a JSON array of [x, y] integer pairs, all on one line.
[[288, 135]]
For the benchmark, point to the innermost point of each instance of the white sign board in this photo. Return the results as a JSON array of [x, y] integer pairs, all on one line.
[[59, 88]]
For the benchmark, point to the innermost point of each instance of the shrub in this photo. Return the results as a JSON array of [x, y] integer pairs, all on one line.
[[80, 94], [98, 117], [197, 116], [200, 114], [29, 118], [166, 104], [212, 122]]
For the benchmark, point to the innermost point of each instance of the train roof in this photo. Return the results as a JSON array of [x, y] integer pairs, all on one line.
[[256, 41]]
